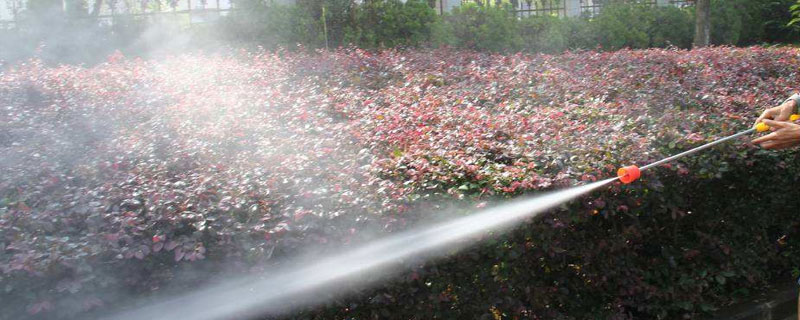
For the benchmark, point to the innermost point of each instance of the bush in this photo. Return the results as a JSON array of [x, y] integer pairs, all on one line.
[[121, 179], [45, 31], [637, 26], [495, 28], [671, 26], [547, 34], [371, 25], [622, 26], [58, 36], [486, 28], [271, 25], [617, 26], [753, 22], [726, 23], [580, 34], [391, 23]]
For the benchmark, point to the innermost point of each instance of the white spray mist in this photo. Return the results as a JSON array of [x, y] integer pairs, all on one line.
[[303, 283]]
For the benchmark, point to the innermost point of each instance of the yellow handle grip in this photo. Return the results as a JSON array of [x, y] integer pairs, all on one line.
[[761, 127]]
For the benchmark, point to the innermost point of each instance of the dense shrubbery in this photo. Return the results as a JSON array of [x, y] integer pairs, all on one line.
[[390, 23], [482, 28], [545, 34], [382, 24], [496, 28], [118, 179], [744, 22], [60, 39], [470, 26], [271, 25], [375, 24], [627, 26]]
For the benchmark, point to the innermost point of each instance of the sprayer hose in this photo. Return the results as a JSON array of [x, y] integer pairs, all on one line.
[[705, 146]]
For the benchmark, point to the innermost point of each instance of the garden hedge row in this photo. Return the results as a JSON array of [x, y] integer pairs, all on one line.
[[134, 177]]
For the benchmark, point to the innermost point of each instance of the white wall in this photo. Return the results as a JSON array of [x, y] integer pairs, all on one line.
[[573, 7], [5, 8]]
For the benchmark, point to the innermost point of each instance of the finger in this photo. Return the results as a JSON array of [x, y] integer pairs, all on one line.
[[764, 115], [783, 144], [767, 114], [771, 145], [765, 138], [775, 124], [779, 146]]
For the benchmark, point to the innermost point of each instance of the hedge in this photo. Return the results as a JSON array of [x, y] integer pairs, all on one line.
[[74, 38], [498, 29], [137, 176]]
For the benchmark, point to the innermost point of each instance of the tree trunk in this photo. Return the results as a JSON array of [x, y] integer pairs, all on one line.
[[98, 4], [702, 28]]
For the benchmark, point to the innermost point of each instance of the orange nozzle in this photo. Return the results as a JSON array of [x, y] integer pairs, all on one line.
[[628, 174]]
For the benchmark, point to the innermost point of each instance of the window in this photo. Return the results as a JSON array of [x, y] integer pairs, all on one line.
[[593, 7], [526, 8]]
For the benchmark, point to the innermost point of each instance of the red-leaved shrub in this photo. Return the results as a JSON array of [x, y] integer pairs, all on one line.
[[117, 178]]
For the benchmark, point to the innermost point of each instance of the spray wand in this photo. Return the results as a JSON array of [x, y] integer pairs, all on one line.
[[631, 173]]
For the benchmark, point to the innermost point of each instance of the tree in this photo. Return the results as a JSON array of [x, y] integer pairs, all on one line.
[[795, 10], [98, 4], [702, 29]]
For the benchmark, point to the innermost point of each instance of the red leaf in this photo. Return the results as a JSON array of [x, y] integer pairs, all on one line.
[[179, 254], [171, 245], [23, 207]]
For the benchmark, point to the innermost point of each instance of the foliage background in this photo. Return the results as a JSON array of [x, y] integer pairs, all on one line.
[[55, 35], [120, 180], [686, 240]]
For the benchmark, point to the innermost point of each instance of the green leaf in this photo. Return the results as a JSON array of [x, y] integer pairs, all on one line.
[[728, 274], [720, 279], [685, 305]]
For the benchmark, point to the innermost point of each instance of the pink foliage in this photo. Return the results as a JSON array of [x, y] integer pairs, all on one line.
[[175, 159]]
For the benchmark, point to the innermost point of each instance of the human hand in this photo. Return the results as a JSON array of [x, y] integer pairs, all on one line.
[[779, 113], [783, 135]]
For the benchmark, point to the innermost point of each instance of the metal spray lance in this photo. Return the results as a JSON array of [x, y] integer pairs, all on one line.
[[631, 173]]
